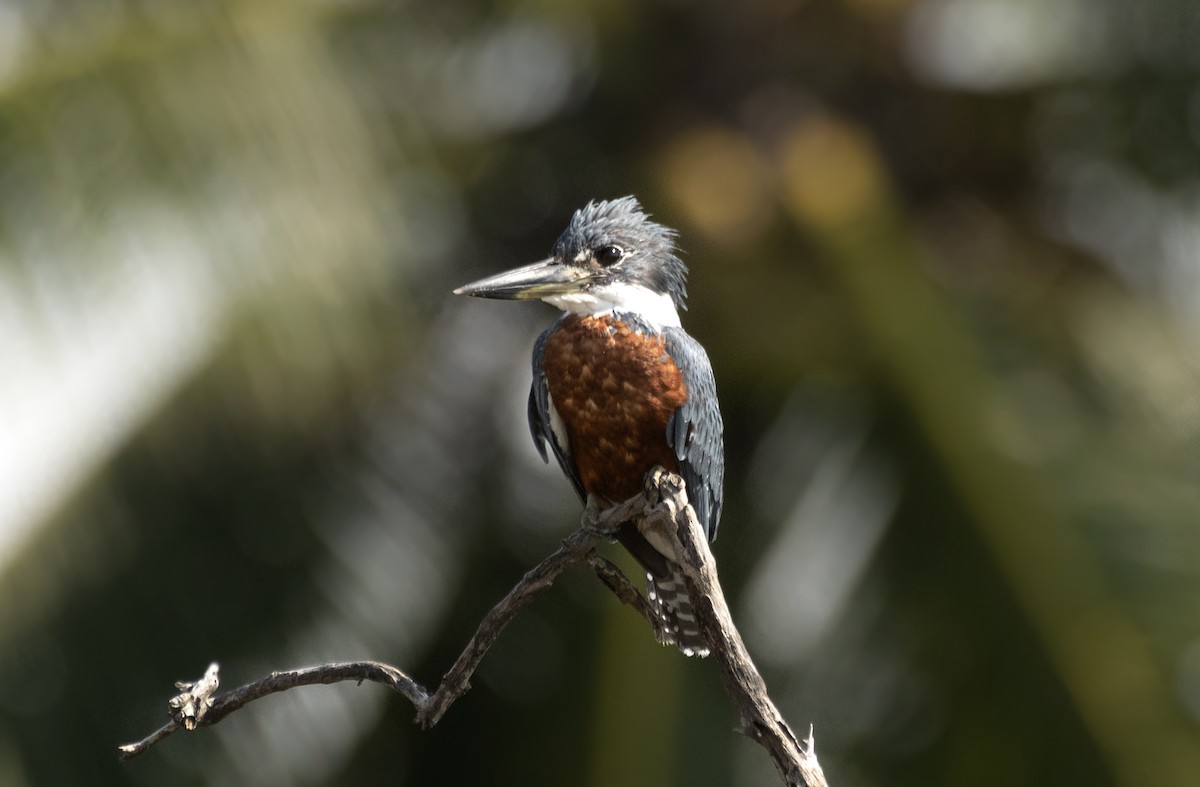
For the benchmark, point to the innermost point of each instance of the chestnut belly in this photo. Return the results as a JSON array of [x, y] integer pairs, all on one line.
[[614, 390]]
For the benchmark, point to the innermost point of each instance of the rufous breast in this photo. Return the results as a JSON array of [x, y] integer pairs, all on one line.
[[615, 389]]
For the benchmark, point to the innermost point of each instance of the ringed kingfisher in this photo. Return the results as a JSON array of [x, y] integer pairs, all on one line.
[[618, 386]]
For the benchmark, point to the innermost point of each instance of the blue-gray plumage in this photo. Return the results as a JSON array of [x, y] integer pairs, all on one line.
[[695, 431], [618, 386]]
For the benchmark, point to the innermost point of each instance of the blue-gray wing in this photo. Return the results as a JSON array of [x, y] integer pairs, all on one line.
[[540, 422], [695, 430]]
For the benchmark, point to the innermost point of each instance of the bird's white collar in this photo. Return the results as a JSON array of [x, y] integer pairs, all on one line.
[[655, 308]]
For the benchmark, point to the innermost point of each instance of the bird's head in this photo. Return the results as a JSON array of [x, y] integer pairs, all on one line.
[[611, 257]]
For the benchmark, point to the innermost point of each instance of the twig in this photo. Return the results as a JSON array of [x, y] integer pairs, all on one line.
[[663, 510], [455, 683], [335, 672], [625, 591]]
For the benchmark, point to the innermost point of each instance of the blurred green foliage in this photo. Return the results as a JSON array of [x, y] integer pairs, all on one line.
[[946, 260]]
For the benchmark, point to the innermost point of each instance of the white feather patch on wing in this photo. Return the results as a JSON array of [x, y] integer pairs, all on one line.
[[557, 427]]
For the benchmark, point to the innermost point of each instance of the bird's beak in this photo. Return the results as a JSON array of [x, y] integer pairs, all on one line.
[[528, 283]]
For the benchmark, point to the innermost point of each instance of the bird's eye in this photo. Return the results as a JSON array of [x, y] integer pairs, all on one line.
[[608, 255]]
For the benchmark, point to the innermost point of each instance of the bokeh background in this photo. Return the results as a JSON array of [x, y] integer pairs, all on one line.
[[946, 261]]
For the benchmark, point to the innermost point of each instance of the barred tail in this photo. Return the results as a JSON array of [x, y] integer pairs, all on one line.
[[667, 593], [669, 599]]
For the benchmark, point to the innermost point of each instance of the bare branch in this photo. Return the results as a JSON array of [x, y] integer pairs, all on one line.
[[625, 591], [455, 683], [195, 706], [662, 510], [336, 672], [671, 519]]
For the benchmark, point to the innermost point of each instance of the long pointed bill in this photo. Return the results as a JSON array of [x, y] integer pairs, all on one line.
[[527, 283]]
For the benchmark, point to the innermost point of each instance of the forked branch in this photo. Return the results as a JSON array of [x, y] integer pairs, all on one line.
[[661, 509]]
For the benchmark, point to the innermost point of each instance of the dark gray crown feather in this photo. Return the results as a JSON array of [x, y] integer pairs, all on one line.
[[651, 255]]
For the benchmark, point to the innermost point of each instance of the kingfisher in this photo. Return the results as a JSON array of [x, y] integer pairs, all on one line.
[[618, 386]]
